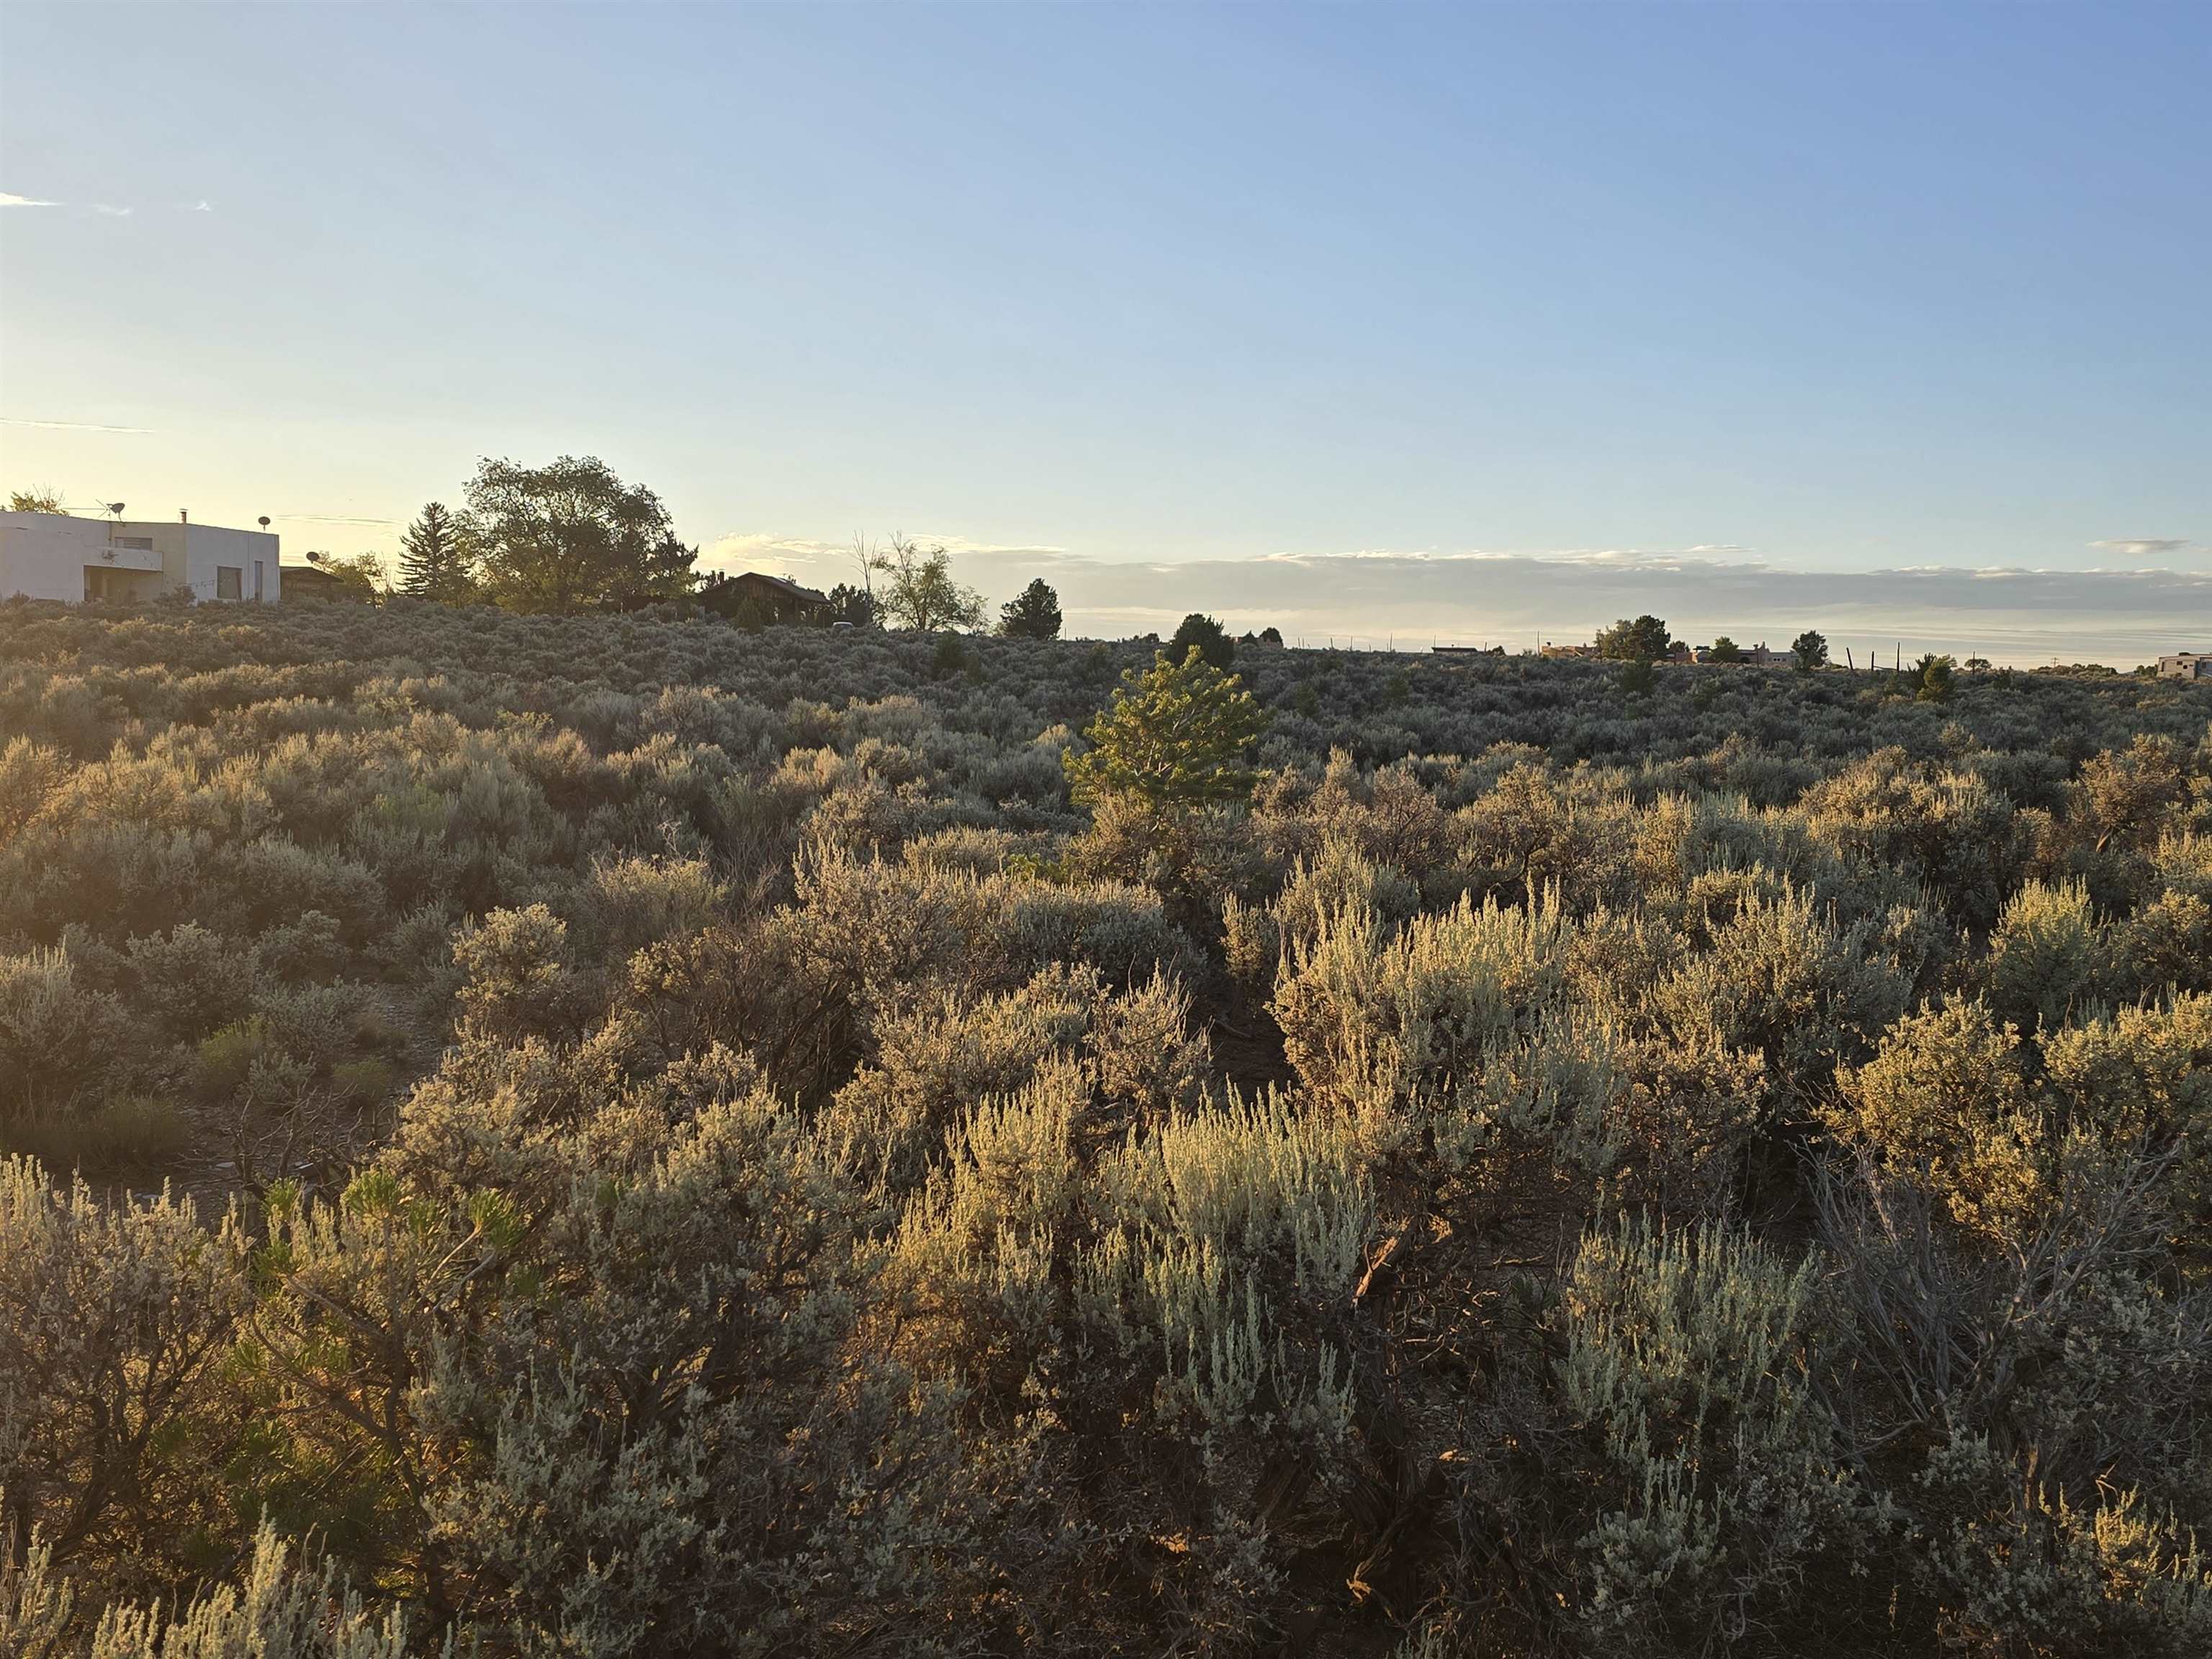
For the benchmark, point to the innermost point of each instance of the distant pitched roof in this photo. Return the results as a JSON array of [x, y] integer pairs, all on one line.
[[784, 586], [301, 581]]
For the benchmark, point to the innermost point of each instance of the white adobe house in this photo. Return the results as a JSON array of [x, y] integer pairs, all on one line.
[[2187, 666], [54, 555]]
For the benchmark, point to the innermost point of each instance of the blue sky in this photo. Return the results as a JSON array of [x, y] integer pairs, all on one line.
[[1474, 323]]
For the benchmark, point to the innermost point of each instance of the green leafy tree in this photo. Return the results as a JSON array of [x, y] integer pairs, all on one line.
[[1172, 741], [1811, 650], [1645, 639], [1725, 650], [1209, 637], [571, 537], [1033, 614], [919, 591], [433, 556]]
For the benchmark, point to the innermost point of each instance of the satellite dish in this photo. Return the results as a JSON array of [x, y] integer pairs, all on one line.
[[264, 521], [116, 508]]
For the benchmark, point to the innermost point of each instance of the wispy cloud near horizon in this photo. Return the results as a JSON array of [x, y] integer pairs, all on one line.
[[1376, 597], [71, 426], [104, 210], [1642, 558], [2150, 547]]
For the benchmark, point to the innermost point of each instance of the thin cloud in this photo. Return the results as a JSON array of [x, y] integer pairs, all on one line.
[[70, 426], [958, 545], [1645, 558], [754, 549], [1373, 597], [105, 209], [321, 518], [2148, 547], [741, 551]]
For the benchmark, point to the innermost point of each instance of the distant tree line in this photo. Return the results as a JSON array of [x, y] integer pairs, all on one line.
[[1640, 643], [572, 537]]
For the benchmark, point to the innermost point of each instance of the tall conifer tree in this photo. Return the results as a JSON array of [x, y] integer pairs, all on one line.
[[434, 557]]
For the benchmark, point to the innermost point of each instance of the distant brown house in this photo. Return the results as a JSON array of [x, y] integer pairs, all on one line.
[[307, 581], [756, 596]]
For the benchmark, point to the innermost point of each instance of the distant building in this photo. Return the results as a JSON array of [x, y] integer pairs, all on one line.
[[770, 598], [55, 556], [307, 581], [1752, 656], [2187, 666], [1551, 650]]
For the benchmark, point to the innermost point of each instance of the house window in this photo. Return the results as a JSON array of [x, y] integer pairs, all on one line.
[[140, 543], [227, 582]]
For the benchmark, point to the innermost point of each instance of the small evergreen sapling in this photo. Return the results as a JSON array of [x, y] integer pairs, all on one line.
[[1172, 741]]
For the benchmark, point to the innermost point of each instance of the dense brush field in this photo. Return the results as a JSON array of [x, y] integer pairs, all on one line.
[[685, 1141]]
